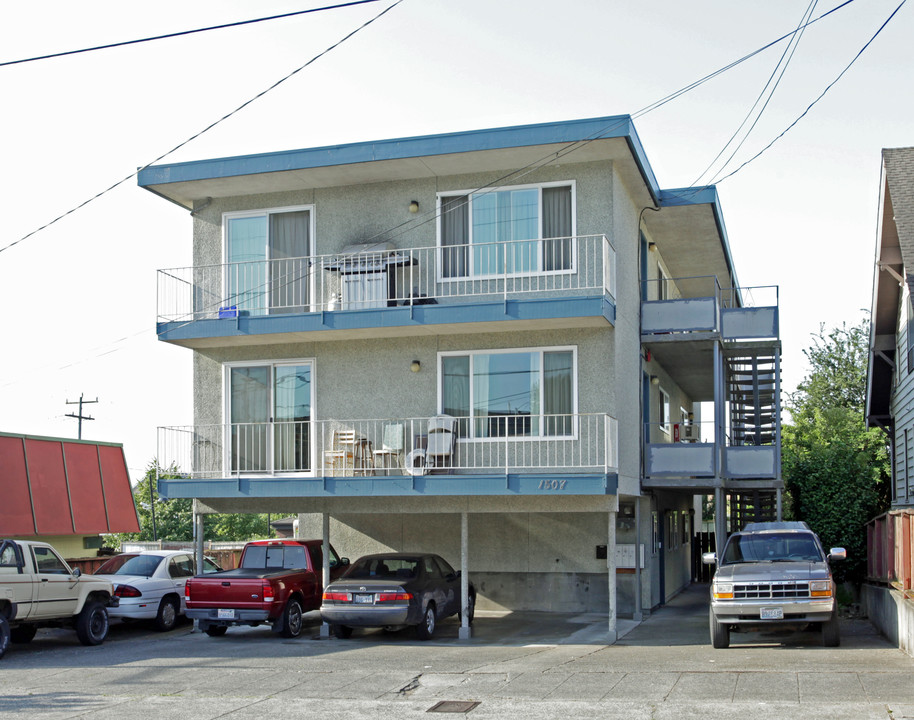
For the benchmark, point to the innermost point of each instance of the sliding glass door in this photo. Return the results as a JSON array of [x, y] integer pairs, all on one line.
[[267, 261], [270, 413]]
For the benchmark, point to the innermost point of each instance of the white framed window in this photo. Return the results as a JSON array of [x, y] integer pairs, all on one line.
[[269, 410], [267, 271], [518, 230], [510, 393], [664, 410]]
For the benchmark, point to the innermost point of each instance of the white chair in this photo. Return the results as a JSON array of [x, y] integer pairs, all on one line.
[[392, 445], [442, 442]]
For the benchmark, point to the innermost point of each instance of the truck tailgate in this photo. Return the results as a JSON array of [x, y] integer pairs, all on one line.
[[240, 588]]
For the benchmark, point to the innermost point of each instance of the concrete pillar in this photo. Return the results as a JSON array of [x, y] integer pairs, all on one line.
[[638, 614], [465, 632], [611, 572], [198, 550], [325, 570]]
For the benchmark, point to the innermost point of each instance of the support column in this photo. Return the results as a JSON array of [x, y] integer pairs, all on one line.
[[638, 614], [465, 632], [198, 550], [325, 570], [611, 572], [779, 506], [720, 518]]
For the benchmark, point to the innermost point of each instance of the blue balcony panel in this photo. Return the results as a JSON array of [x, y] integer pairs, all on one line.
[[512, 484], [403, 318]]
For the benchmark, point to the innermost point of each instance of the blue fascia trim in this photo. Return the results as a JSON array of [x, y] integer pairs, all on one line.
[[390, 317], [679, 197], [617, 126], [512, 484]]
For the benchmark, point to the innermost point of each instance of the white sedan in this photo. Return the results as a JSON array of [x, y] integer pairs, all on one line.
[[150, 584]]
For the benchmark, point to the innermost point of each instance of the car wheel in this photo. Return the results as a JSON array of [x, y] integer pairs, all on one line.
[[471, 609], [341, 631], [4, 636], [23, 634], [720, 633], [292, 619], [831, 636], [92, 623], [215, 630], [426, 628], [167, 616]]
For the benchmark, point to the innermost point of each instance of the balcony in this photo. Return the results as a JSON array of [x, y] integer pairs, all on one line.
[[534, 282], [682, 455], [517, 455], [695, 305]]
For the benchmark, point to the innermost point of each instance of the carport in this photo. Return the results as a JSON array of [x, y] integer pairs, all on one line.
[[436, 520]]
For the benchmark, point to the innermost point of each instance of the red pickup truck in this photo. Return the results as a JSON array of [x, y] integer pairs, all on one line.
[[276, 583]]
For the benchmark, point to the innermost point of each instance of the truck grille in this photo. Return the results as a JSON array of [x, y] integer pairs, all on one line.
[[771, 591]]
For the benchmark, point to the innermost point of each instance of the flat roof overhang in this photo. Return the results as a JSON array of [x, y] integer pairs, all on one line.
[[687, 218], [610, 138]]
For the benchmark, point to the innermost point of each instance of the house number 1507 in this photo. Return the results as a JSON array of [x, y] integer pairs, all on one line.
[[552, 484]]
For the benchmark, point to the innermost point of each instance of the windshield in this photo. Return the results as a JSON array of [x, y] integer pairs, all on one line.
[[130, 565], [772, 547], [384, 568]]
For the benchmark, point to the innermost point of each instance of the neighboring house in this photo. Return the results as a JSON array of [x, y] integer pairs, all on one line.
[[890, 398], [536, 284], [64, 492]]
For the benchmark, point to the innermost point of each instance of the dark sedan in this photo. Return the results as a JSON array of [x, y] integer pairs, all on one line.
[[392, 591]]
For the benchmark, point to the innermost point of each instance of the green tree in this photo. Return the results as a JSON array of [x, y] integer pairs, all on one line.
[[174, 519], [836, 471]]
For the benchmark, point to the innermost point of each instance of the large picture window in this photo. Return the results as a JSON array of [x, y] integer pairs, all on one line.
[[510, 393], [266, 260], [269, 407], [510, 231]]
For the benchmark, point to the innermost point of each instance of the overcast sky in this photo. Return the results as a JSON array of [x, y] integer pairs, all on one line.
[[80, 296]]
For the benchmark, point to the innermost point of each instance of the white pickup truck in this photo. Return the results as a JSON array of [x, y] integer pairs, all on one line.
[[38, 589]]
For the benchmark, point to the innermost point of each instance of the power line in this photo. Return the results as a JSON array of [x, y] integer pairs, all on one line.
[[780, 66], [182, 33], [821, 95], [204, 130]]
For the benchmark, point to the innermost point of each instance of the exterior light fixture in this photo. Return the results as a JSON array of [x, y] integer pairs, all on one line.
[[415, 366], [655, 380], [414, 206]]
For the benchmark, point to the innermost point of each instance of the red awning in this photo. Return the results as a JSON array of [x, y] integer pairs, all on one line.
[[50, 486]]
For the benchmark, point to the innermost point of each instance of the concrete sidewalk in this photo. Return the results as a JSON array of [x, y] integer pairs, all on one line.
[[522, 665]]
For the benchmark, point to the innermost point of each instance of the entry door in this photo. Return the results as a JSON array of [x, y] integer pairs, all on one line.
[[270, 411], [267, 263]]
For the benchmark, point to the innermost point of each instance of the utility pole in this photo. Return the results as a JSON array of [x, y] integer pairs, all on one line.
[[79, 416]]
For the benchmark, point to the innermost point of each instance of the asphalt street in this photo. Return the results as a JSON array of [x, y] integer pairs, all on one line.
[[519, 665]]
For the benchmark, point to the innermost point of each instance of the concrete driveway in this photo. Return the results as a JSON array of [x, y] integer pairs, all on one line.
[[524, 665]]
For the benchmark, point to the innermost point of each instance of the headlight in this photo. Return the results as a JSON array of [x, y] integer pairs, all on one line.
[[820, 588], [722, 591]]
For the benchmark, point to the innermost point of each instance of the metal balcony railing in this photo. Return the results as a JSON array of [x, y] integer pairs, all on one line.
[[412, 446], [387, 278], [700, 304]]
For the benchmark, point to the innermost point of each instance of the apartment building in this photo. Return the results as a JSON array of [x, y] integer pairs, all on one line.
[[496, 345]]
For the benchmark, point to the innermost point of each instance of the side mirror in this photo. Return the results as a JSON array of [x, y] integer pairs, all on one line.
[[77, 573], [344, 561], [837, 554], [709, 558]]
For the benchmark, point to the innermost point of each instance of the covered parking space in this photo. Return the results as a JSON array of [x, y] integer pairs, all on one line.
[[554, 553]]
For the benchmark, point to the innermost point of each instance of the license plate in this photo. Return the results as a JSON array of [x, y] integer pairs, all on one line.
[[774, 613], [225, 614], [364, 599]]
